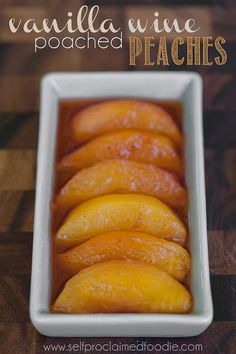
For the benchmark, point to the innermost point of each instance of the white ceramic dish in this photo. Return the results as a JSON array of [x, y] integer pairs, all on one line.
[[186, 87]]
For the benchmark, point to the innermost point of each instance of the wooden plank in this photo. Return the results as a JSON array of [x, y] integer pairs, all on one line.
[[219, 92], [215, 175], [16, 211], [19, 93], [229, 166], [94, 59], [218, 128], [17, 338], [224, 21], [154, 2], [24, 2], [222, 252], [19, 130], [224, 296], [221, 209], [30, 63], [17, 169], [14, 298], [15, 250], [220, 169]]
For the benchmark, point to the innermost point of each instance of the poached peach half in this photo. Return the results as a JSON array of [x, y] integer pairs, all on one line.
[[127, 245], [146, 147], [123, 114], [134, 212], [121, 176], [127, 287]]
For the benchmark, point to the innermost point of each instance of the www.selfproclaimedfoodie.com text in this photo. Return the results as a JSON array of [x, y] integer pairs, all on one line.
[[135, 347]]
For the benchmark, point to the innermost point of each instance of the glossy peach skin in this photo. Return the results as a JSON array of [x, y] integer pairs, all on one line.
[[146, 147], [121, 176], [127, 245], [125, 287], [123, 114], [134, 212]]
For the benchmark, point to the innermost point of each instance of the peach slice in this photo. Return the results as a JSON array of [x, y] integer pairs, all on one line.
[[127, 245], [120, 176], [123, 114], [132, 145], [135, 212], [123, 287]]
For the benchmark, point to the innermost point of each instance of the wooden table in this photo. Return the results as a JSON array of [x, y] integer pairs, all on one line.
[[20, 72]]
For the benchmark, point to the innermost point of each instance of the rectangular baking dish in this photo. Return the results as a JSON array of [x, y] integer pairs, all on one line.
[[183, 86]]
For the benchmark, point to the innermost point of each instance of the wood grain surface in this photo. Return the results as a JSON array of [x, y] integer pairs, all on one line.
[[20, 73]]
